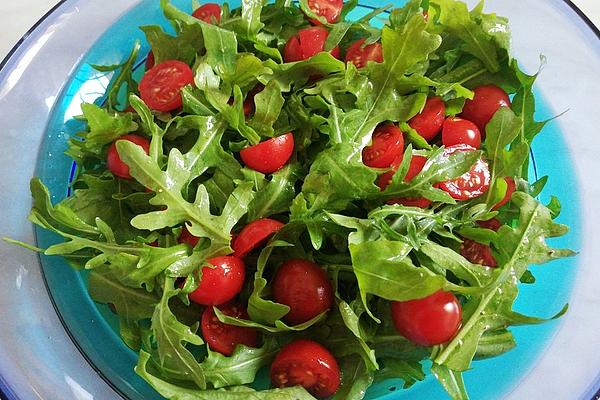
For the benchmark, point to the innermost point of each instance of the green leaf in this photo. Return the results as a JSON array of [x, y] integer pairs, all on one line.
[[277, 327], [183, 47], [409, 372], [355, 379], [268, 104], [452, 381], [276, 195]]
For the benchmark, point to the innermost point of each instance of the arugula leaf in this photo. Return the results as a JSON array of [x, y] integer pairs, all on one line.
[[452, 381], [183, 47], [355, 379], [409, 372], [276, 195], [268, 107]]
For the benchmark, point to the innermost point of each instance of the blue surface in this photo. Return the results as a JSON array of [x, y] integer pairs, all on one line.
[[92, 328]]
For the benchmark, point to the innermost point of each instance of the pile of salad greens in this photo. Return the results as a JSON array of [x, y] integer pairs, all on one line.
[[334, 212]]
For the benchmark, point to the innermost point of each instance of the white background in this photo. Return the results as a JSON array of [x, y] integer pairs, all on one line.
[[16, 17]]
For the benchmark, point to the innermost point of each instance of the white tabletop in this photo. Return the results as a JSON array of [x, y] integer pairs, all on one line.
[[16, 17]]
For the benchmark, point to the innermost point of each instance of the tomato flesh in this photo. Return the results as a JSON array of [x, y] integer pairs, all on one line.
[[493, 224], [478, 253], [207, 12], [220, 284], [113, 160], [160, 87], [417, 163], [307, 43], [487, 100], [470, 185], [329, 9], [308, 364], [511, 187], [429, 321], [269, 156], [254, 234], [187, 237], [223, 338], [428, 122], [359, 55], [305, 288], [387, 146], [460, 131], [150, 61]]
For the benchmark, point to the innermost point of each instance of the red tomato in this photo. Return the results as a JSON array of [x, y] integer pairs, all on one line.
[[150, 61], [470, 185], [253, 235], [416, 165], [429, 122], [387, 146], [487, 100], [270, 155], [429, 321], [359, 55], [330, 9], [478, 253], [249, 102], [224, 338], [510, 189], [492, 224], [307, 364], [207, 11], [220, 284], [307, 43], [187, 237], [305, 288], [460, 131], [160, 87], [114, 162]]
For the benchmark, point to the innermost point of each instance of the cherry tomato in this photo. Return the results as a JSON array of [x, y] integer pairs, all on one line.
[[307, 43], [359, 55], [150, 62], [470, 185], [220, 284], [224, 338], [270, 155], [160, 87], [429, 321], [114, 162], [416, 165], [249, 102], [253, 234], [478, 253], [510, 189], [387, 146], [428, 122], [493, 224], [207, 12], [487, 100], [330, 9], [304, 287], [460, 131], [307, 364], [187, 237]]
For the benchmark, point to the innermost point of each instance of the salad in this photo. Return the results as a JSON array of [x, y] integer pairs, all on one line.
[[334, 201]]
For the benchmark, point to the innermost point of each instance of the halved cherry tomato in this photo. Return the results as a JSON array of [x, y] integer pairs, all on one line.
[[510, 189], [160, 87], [493, 224], [270, 155], [473, 183], [150, 62], [387, 146], [487, 100], [220, 284], [330, 9], [187, 237], [253, 234], [307, 43], [428, 122], [416, 165], [207, 12], [429, 321], [304, 287], [224, 338], [359, 55], [460, 131], [478, 253], [307, 364], [249, 101], [114, 162]]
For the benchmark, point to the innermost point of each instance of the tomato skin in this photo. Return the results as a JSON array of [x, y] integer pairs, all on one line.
[[160, 87], [187, 237], [510, 189], [359, 55], [207, 11], [254, 234], [493, 224], [428, 122], [470, 185], [269, 156], [150, 61], [114, 162], [307, 43], [417, 163], [220, 284], [304, 287], [478, 253], [429, 321], [387, 147], [460, 131], [487, 100], [330, 9], [308, 364], [224, 338]]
